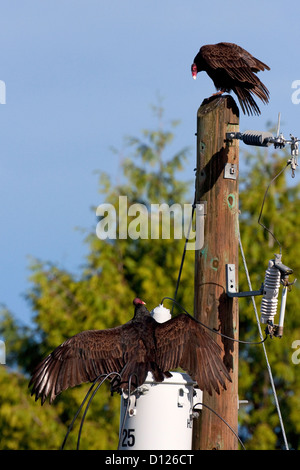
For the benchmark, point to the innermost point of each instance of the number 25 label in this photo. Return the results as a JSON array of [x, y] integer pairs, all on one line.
[[128, 439]]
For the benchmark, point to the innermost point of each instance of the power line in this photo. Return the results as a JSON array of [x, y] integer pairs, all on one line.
[[225, 422], [264, 199], [105, 376], [212, 329]]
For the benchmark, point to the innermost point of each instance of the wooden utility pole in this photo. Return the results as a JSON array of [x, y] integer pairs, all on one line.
[[217, 184]]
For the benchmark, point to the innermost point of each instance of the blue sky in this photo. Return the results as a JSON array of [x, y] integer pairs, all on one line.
[[81, 75]]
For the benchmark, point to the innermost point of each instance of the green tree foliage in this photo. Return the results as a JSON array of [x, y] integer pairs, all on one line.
[[115, 271]]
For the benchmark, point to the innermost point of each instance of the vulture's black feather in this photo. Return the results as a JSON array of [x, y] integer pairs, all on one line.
[[232, 68]]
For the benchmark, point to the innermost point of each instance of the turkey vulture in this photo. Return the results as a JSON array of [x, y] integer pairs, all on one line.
[[232, 68], [140, 345]]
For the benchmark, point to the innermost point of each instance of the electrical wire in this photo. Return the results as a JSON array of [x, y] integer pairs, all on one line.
[[184, 249], [77, 413], [263, 203], [212, 329], [105, 377], [183, 254], [264, 349], [82, 404], [89, 402], [222, 419]]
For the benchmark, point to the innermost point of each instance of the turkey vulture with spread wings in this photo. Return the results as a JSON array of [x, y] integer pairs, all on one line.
[[131, 350], [232, 68]]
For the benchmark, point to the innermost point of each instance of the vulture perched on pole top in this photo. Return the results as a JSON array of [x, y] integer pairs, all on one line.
[[233, 68], [131, 350]]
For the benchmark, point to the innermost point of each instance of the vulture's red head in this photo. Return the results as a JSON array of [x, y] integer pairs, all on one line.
[[194, 71], [138, 301]]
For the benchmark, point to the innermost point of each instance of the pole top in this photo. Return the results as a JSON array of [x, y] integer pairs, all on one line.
[[210, 104]]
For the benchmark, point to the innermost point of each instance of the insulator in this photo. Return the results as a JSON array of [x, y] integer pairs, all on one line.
[[257, 138], [161, 314], [282, 312], [271, 288]]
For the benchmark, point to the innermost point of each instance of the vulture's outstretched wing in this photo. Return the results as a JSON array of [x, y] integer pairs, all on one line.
[[131, 350], [183, 342], [79, 359]]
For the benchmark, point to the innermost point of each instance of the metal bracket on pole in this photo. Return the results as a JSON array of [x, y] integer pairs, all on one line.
[[230, 171], [231, 289]]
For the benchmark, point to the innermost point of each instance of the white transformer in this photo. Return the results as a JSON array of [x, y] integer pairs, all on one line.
[[159, 416]]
